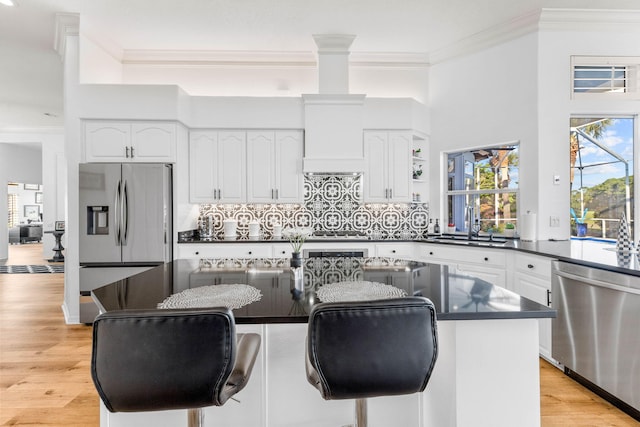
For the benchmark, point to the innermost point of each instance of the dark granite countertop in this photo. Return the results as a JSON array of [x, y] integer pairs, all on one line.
[[588, 252], [456, 295]]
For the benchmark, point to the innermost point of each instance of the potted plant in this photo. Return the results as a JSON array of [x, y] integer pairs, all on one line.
[[296, 237], [509, 229]]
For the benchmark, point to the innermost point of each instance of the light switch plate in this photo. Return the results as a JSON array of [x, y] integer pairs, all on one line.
[[554, 221]]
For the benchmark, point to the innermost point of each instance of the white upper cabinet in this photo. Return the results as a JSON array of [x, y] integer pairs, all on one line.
[[217, 171], [106, 141], [274, 167], [389, 169]]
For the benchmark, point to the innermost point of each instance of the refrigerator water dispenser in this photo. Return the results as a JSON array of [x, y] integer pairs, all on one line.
[[97, 220]]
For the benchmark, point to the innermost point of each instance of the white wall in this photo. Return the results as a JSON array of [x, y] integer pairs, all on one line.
[[556, 107], [486, 98], [98, 65]]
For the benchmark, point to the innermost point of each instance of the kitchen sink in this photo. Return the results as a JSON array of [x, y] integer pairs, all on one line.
[[464, 240]]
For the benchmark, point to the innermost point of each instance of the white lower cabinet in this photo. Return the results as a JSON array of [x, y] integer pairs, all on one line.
[[224, 250], [487, 264], [403, 250], [532, 280]]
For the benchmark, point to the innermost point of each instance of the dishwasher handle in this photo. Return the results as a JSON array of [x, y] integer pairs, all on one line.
[[598, 283]]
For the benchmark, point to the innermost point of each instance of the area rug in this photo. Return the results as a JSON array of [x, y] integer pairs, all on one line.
[[13, 269]]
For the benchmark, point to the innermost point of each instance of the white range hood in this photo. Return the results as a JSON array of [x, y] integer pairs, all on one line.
[[333, 118]]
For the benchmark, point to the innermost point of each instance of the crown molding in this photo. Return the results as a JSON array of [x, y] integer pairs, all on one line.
[[217, 58], [67, 24], [492, 36], [589, 19], [264, 59], [545, 19]]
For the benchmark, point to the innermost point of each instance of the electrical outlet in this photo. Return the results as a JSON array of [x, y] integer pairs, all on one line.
[[554, 221]]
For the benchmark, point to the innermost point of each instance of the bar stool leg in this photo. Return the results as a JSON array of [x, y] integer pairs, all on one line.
[[195, 417], [361, 413]]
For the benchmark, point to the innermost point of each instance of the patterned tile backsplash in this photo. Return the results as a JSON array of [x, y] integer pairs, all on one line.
[[332, 203]]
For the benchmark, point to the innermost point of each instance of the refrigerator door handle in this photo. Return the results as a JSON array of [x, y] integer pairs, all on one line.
[[116, 214], [125, 214]]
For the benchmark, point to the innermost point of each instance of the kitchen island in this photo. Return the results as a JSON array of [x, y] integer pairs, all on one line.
[[487, 372]]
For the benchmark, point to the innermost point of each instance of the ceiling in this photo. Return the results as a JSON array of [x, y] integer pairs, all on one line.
[[31, 72]]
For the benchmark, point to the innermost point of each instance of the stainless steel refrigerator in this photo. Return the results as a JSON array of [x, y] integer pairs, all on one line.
[[125, 214]]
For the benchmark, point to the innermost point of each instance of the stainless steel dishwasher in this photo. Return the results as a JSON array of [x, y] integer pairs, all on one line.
[[597, 332]]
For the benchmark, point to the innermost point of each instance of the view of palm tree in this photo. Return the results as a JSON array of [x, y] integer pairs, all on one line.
[[483, 183], [601, 161]]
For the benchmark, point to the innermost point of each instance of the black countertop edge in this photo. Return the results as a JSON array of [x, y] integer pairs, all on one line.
[[546, 314], [324, 239]]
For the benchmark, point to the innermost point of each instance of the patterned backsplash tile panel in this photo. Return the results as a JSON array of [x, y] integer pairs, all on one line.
[[331, 202]]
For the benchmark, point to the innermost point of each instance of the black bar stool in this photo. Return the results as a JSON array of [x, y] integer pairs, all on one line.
[[357, 350], [152, 360]]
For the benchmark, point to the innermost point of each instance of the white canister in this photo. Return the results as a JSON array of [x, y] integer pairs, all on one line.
[[254, 228], [277, 230], [230, 228]]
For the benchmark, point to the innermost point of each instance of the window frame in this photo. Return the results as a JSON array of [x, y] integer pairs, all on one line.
[[632, 69], [475, 194]]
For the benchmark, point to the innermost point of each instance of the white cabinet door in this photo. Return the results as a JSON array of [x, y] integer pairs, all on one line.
[[400, 167], [274, 170], [532, 279], [288, 167], [106, 141], [202, 175], [389, 169], [231, 167], [153, 142], [537, 289], [376, 178], [261, 167], [217, 170]]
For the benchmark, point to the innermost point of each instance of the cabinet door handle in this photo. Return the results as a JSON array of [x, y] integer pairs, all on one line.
[[197, 253], [284, 252], [132, 152], [548, 298], [486, 258], [126, 152], [393, 251], [430, 253], [250, 252], [529, 265], [277, 194], [272, 194], [391, 193]]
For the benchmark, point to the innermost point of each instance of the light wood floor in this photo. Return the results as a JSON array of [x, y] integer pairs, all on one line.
[[44, 363]]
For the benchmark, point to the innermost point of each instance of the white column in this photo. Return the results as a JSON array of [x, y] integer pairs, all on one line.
[[67, 45]]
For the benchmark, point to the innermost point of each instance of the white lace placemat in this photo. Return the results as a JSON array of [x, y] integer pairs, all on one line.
[[357, 291], [233, 296]]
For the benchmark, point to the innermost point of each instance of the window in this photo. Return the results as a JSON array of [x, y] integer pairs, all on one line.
[[482, 188], [599, 79], [601, 160], [605, 76], [12, 207]]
